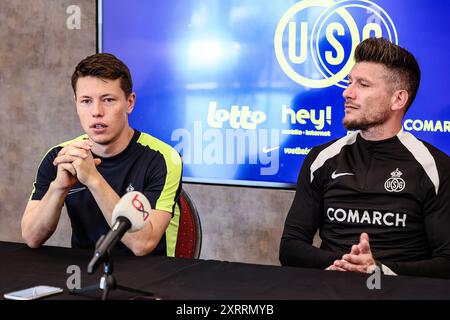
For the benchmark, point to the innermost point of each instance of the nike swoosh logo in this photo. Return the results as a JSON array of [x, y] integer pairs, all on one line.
[[335, 175], [267, 150], [72, 191]]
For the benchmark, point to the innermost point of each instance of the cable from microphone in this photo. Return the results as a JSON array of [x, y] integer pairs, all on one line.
[[131, 214]]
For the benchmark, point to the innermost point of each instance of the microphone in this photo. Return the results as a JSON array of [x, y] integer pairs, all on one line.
[[130, 214]]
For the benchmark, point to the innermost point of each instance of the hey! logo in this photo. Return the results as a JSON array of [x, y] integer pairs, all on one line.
[[315, 39]]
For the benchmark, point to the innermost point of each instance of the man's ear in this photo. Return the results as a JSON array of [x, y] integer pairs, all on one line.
[[131, 100], [75, 102], [399, 100]]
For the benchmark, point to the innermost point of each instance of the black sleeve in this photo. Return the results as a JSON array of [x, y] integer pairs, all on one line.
[[437, 226], [302, 222], [45, 175]]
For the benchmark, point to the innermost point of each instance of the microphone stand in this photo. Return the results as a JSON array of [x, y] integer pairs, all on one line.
[[108, 282]]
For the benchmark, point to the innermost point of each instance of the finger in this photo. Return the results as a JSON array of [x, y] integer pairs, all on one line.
[[81, 165], [350, 266], [77, 163], [97, 161], [354, 259], [84, 144], [78, 152], [64, 159], [355, 249], [339, 269], [68, 167], [364, 247], [334, 268], [336, 263], [364, 260], [364, 236]]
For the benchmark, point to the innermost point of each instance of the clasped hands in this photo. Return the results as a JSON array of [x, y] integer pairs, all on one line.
[[76, 163], [360, 258]]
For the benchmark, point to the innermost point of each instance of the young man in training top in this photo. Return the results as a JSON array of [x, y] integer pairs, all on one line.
[[90, 174]]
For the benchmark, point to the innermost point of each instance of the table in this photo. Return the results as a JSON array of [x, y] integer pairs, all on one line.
[[186, 279]]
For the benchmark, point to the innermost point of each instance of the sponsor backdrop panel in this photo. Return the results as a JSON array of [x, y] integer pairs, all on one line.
[[244, 89]]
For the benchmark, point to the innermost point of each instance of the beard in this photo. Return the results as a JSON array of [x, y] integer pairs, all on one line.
[[366, 121]]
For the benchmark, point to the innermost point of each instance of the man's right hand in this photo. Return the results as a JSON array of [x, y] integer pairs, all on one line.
[[66, 176], [360, 258]]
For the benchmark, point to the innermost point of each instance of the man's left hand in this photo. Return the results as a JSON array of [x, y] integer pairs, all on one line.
[[359, 259], [83, 162]]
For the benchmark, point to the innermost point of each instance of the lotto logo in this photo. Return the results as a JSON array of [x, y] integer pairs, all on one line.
[[315, 39]]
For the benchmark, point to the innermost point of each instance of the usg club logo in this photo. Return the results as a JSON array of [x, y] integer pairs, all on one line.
[[395, 183], [315, 39]]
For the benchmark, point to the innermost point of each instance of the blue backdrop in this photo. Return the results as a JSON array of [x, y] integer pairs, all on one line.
[[244, 89]]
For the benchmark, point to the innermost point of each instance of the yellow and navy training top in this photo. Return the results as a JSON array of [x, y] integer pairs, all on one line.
[[147, 165]]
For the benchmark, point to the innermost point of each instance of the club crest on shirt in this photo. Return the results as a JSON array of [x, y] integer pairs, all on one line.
[[395, 183], [129, 188]]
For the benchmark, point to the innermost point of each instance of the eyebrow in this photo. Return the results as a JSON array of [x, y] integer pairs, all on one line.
[[360, 79], [102, 96]]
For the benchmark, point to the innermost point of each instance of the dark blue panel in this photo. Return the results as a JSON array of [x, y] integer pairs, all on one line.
[[209, 80]]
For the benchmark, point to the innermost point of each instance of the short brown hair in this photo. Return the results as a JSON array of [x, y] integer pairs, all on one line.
[[104, 66], [401, 63]]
